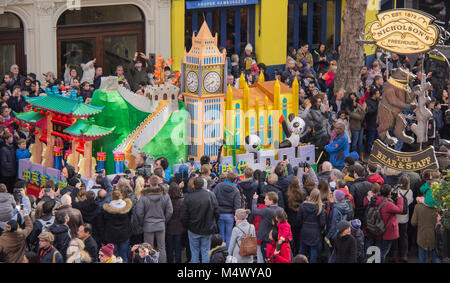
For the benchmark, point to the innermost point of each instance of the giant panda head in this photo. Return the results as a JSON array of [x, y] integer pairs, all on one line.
[[252, 143], [296, 125]]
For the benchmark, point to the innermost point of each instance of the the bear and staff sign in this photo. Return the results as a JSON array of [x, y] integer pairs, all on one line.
[[403, 161]]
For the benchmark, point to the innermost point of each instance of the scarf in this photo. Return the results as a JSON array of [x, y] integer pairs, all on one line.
[[44, 252], [111, 259]]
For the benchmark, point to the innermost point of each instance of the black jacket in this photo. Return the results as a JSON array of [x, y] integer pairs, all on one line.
[[48, 258], [310, 223], [228, 197], [359, 190], [372, 110], [360, 251], [345, 249], [62, 238], [283, 181], [249, 188], [115, 224], [90, 245], [264, 189], [200, 212], [8, 162], [32, 239], [90, 212], [218, 254], [175, 226]]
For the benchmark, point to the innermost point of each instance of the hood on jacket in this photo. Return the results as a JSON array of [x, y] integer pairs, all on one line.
[[220, 248], [310, 208], [375, 179], [342, 207], [114, 207], [226, 188], [154, 194], [58, 229]]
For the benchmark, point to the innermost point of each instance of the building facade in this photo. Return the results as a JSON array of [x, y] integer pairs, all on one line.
[[44, 35]]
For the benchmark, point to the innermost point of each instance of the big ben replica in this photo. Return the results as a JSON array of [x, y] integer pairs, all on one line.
[[203, 85]]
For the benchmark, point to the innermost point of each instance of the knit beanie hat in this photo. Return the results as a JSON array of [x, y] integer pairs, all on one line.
[[242, 214], [249, 47], [342, 225], [356, 223], [339, 195], [108, 250]]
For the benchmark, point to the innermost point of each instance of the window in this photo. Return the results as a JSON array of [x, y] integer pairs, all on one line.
[[11, 43]]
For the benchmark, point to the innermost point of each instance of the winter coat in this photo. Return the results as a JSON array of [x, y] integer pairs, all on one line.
[[356, 118], [7, 206], [360, 251], [283, 181], [359, 190], [338, 211], [240, 230], [284, 256], [33, 240], [62, 238], [75, 221], [88, 72], [48, 258], [345, 250], [267, 215], [200, 212], [115, 221], [388, 212], [8, 162], [441, 241], [375, 178], [339, 149], [154, 210], [90, 213], [311, 223], [319, 122], [372, 110], [228, 197], [90, 246], [218, 254], [424, 218], [249, 188], [22, 154], [264, 189], [137, 76], [13, 244], [175, 226]]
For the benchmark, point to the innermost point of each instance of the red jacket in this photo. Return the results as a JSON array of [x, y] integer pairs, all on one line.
[[375, 179], [388, 211], [348, 194], [284, 256]]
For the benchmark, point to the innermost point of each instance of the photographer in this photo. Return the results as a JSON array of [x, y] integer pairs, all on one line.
[[143, 166], [392, 204], [163, 163]]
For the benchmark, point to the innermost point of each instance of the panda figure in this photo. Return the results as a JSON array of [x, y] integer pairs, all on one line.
[[252, 144], [292, 130]]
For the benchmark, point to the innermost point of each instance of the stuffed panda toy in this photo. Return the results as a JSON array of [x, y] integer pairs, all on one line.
[[252, 144], [292, 130]]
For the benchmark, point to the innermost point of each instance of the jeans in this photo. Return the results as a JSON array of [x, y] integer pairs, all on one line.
[[372, 135], [424, 255], [199, 243], [149, 237], [401, 244], [264, 249], [121, 249], [357, 140], [226, 224], [385, 246], [312, 250], [173, 244]]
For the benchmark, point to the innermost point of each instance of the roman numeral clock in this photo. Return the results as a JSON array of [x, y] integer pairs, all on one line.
[[203, 86]]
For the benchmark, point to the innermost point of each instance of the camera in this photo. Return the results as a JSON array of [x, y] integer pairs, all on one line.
[[303, 165], [394, 194]]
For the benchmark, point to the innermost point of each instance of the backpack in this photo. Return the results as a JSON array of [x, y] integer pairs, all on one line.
[[46, 224], [351, 214], [54, 256], [249, 244], [405, 204], [374, 222]]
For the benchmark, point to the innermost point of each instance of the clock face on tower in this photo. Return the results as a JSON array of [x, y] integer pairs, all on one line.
[[192, 82], [212, 82]]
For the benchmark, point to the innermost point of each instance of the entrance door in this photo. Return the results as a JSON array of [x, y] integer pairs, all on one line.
[[11, 43], [105, 33]]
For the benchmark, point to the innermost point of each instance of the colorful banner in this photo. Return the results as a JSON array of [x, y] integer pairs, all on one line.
[[403, 161], [201, 4], [36, 181]]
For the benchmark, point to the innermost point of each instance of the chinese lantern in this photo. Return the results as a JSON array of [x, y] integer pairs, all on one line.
[[59, 116], [41, 112], [36, 132], [28, 106], [47, 113], [35, 110], [24, 125], [64, 118], [30, 128], [18, 123], [53, 115]]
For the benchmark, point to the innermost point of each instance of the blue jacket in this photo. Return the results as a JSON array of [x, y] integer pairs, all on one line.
[[339, 149], [22, 154], [167, 174]]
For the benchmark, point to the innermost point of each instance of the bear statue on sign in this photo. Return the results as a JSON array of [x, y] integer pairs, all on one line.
[[397, 97]]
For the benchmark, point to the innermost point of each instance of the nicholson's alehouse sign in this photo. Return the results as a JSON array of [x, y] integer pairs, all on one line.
[[404, 31]]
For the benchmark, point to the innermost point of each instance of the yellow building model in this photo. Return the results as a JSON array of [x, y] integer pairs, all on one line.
[[242, 111]]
